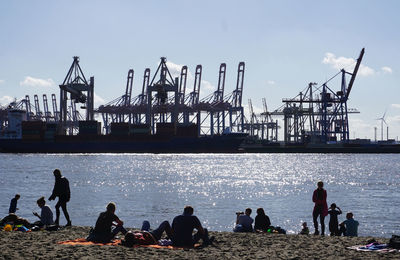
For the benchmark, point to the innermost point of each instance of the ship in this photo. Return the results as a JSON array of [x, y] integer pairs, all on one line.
[[162, 119]]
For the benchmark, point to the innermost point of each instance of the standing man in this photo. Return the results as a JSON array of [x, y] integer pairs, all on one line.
[[61, 190]]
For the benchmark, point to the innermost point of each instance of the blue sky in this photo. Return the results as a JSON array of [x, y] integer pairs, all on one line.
[[285, 45]]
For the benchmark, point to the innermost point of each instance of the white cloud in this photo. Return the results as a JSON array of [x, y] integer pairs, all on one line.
[[207, 85], [98, 100], [346, 63], [174, 69], [386, 69], [271, 82], [5, 100], [396, 105], [394, 119], [2, 81], [35, 82]]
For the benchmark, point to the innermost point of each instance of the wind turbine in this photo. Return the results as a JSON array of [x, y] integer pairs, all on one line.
[[382, 121]]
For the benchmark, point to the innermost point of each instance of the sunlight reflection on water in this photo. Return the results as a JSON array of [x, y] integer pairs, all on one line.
[[156, 187]]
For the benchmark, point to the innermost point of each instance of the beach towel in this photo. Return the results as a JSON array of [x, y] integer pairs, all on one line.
[[374, 247], [83, 241]]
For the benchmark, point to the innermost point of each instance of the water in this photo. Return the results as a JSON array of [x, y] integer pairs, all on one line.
[[156, 187]]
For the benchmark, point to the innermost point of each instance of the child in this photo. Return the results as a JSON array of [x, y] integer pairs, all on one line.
[[305, 230], [334, 211], [13, 204]]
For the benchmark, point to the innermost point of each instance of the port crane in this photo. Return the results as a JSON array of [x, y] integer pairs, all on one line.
[[319, 114]]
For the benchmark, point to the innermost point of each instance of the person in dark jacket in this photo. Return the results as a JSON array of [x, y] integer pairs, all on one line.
[[62, 191], [103, 231], [13, 204], [182, 229], [262, 222]]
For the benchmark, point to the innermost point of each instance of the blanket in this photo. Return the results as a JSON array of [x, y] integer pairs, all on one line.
[[374, 247], [83, 241]]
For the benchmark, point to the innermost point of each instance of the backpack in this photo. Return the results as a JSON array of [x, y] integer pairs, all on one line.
[[394, 242]]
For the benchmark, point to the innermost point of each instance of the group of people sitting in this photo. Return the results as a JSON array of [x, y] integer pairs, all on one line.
[[179, 234], [244, 223], [45, 216]]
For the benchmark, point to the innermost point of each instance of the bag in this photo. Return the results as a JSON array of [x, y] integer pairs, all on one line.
[[394, 242], [52, 228]]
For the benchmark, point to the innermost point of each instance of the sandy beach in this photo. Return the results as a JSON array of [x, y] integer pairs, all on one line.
[[43, 245]]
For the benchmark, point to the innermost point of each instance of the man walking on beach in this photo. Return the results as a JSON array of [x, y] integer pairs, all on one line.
[[183, 226], [62, 191]]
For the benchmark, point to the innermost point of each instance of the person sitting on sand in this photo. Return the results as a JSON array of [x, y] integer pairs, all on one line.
[[334, 211], [304, 230], [147, 237], [14, 220], [182, 229], [102, 231], [243, 221], [46, 215], [320, 208], [262, 222], [13, 204], [349, 227]]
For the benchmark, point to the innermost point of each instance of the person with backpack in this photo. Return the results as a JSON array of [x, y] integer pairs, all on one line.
[[62, 191]]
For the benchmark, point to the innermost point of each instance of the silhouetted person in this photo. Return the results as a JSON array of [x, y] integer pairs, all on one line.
[[304, 230], [15, 220], [349, 227], [13, 204], [334, 211], [102, 231], [62, 191], [147, 237], [320, 207], [244, 223], [46, 215], [183, 226], [262, 222]]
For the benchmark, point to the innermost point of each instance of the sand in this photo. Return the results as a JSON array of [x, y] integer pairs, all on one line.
[[228, 245]]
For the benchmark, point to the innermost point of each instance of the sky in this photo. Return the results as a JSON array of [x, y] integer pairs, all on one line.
[[284, 44]]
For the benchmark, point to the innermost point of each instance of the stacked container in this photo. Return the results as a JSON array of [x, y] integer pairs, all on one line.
[[51, 131], [120, 129], [33, 130], [139, 130], [166, 129], [187, 130], [89, 128]]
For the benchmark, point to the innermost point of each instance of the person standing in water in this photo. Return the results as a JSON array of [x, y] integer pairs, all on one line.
[[62, 191], [320, 207]]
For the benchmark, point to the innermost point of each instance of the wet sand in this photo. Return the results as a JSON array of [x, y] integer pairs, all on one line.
[[228, 245]]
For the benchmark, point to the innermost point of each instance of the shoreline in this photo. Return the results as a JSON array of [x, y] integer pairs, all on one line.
[[43, 245]]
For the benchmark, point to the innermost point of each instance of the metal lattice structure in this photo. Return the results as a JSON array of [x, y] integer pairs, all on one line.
[[164, 100], [76, 88], [320, 114]]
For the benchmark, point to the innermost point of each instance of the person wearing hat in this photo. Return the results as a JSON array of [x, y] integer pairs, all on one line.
[[62, 191]]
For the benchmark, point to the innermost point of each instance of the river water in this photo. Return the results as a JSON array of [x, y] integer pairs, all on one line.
[[156, 187]]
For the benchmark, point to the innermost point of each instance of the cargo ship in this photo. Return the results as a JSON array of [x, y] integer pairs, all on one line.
[[353, 146], [42, 137]]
